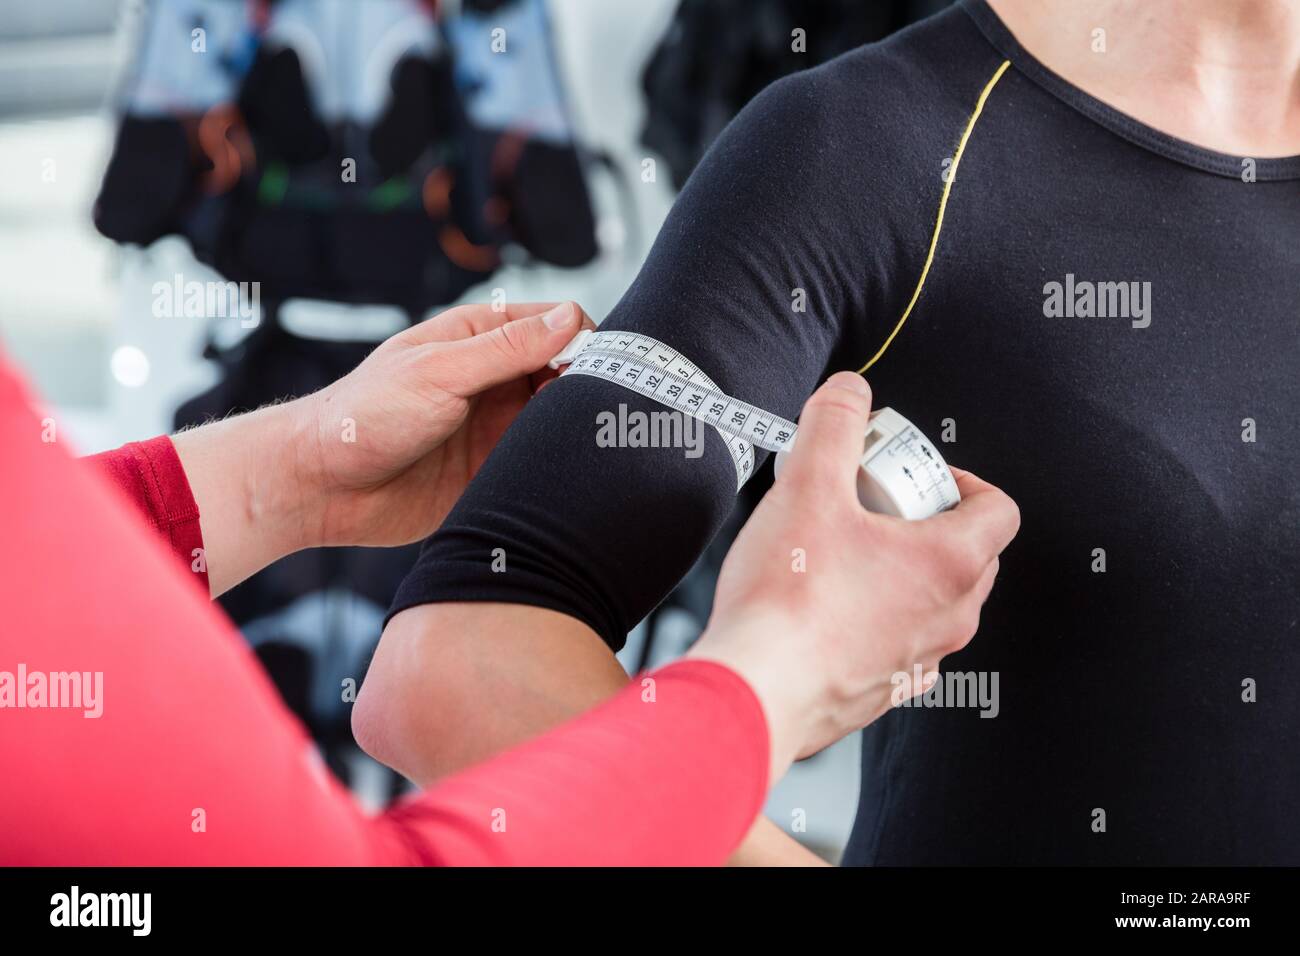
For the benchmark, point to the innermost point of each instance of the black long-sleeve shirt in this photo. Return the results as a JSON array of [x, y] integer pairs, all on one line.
[[1144, 626]]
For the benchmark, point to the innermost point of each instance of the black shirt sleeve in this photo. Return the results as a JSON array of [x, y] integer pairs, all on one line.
[[748, 279]]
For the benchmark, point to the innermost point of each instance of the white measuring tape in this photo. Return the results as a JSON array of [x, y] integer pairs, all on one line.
[[900, 472]]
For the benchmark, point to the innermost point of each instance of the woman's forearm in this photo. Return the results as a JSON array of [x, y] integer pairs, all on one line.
[[250, 477]]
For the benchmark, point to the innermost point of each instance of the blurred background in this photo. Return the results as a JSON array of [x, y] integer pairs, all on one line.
[[207, 205]]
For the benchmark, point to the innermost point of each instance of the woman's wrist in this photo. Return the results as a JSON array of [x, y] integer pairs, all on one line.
[[259, 495], [292, 502], [331, 511], [755, 644]]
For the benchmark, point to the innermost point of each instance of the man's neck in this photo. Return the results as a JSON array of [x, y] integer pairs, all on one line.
[[1224, 74]]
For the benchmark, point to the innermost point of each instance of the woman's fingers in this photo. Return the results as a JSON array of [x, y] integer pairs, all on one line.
[[985, 520], [509, 351], [466, 321], [985, 583], [831, 429]]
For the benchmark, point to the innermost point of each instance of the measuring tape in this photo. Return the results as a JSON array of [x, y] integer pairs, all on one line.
[[900, 472], [653, 369]]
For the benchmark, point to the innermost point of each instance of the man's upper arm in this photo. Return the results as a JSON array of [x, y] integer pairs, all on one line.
[[748, 280]]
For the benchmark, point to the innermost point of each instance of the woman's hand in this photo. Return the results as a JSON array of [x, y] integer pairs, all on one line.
[[393, 444], [378, 457], [824, 607]]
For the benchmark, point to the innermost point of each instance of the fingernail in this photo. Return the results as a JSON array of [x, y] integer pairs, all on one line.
[[849, 381], [560, 317]]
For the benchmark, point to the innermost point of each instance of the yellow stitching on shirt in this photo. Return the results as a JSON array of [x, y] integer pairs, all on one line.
[[943, 204]]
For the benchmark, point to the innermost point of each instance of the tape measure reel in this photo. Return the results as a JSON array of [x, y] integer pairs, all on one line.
[[900, 473]]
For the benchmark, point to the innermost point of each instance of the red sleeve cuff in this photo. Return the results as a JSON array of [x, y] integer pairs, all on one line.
[[149, 473]]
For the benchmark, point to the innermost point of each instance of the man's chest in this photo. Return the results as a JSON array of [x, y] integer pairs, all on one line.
[[1121, 363]]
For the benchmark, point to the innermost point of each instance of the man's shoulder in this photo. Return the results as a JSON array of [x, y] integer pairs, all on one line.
[[914, 86]]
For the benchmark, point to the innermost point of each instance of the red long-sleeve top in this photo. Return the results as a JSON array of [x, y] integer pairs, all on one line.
[[168, 744]]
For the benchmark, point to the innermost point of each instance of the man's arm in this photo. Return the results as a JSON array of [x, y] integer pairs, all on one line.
[[453, 684], [759, 276]]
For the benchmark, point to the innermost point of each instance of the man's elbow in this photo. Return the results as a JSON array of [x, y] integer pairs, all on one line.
[[377, 723], [414, 710], [370, 726], [453, 684]]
